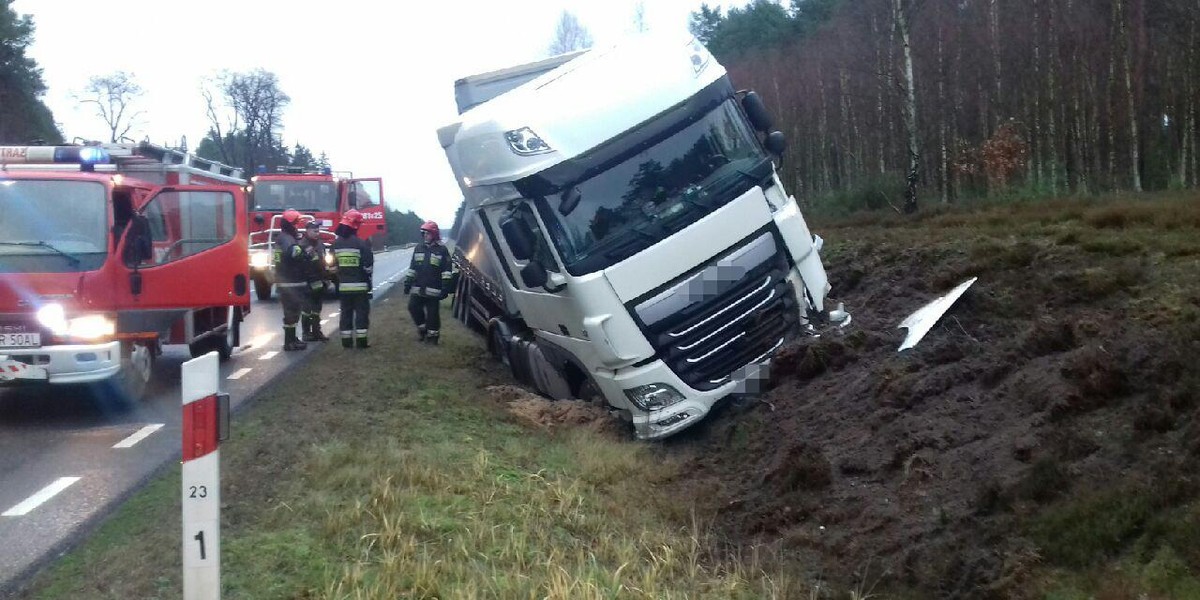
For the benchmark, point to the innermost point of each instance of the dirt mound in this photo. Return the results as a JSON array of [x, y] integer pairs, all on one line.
[[933, 465], [543, 413]]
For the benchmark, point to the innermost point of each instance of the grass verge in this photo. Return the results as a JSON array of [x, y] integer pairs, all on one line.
[[391, 473]]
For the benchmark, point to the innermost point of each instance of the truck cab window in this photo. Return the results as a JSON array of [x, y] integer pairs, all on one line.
[[542, 252]]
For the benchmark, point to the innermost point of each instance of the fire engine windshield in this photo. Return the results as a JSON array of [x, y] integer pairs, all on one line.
[[654, 189], [304, 196], [52, 226]]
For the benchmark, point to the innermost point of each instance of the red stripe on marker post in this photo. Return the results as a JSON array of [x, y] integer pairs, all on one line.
[[200, 427]]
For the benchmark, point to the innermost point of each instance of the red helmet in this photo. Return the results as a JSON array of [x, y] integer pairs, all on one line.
[[432, 227], [352, 218], [292, 216]]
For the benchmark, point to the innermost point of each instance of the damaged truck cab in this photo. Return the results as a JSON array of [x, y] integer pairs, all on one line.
[[627, 235]]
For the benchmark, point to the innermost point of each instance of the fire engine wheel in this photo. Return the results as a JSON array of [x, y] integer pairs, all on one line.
[[134, 377], [262, 288]]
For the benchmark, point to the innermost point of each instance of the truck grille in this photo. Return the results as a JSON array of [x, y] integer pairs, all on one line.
[[726, 315]]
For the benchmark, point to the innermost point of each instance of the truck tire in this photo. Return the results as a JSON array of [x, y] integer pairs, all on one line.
[[499, 347], [262, 287], [132, 381]]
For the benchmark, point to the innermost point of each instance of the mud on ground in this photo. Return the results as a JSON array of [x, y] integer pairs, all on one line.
[[1069, 369]]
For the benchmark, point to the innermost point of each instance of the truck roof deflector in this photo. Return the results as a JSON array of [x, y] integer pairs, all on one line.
[[920, 322]]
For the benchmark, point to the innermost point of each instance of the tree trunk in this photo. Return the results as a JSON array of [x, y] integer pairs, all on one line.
[[1127, 66], [994, 29], [909, 108]]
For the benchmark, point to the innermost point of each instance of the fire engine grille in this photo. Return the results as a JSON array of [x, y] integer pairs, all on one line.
[[723, 317]]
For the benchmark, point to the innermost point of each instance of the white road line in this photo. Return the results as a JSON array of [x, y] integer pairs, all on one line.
[[324, 321], [37, 499], [238, 374], [267, 355], [138, 436], [334, 313]]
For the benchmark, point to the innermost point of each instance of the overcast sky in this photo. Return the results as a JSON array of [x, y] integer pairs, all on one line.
[[370, 80]]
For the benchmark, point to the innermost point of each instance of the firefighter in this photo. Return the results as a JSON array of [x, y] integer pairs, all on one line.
[[355, 262], [314, 253], [428, 279], [289, 278]]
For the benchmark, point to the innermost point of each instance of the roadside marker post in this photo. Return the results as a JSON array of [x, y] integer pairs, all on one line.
[[205, 425]]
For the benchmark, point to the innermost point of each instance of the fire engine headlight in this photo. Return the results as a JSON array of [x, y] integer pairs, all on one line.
[[260, 259], [91, 327], [86, 327], [525, 142], [328, 258], [654, 396]]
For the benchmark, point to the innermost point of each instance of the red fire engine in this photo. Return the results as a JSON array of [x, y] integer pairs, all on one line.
[[323, 196], [110, 251]]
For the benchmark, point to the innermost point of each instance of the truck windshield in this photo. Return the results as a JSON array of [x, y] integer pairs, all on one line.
[[651, 192], [52, 226], [304, 196]]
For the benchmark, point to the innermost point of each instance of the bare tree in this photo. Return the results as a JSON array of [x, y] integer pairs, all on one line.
[[570, 35], [245, 116], [113, 94], [901, 14]]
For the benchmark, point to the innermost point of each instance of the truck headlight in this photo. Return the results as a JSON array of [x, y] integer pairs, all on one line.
[[260, 260], [525, 142], [653, 396], [87, 327]]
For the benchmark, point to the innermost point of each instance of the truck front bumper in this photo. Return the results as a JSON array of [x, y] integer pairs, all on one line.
[[65, 364], [695, 405]]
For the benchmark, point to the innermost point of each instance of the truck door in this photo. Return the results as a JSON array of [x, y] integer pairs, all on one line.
[[187, 248], [550, 311], [366, 196]]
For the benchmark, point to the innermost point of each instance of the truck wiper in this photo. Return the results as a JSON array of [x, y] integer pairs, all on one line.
[[43, 244]]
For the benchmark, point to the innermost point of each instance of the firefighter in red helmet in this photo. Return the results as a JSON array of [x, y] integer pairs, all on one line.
[[355, 263], [290, 266], [428, 282], [315, 275]]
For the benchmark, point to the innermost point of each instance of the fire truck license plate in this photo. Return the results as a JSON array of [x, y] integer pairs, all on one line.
[[20, 340]]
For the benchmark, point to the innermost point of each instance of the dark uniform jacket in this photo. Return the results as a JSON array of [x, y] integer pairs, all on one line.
[[355, 262], [314, 262], [429, 273], [289, 260]]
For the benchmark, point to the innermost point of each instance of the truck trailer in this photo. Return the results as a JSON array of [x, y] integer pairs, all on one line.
[[110, 251], [626, 235]]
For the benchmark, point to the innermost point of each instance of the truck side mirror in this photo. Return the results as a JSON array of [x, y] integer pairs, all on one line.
[[776, 143], [756, 111], [534, 275], [352, 198], [135, 283], [519, 238]]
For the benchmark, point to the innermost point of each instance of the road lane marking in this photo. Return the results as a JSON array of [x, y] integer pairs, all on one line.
[[334, 313], [267, 355], [138, 436], [238, 374], [324, 321], [37, 499]]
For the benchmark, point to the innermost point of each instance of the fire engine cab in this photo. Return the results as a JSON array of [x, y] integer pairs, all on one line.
[[110, 251], [323, 196]]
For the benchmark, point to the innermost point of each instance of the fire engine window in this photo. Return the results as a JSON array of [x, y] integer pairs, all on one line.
[[52, 226], [367, 194], [185, 223]]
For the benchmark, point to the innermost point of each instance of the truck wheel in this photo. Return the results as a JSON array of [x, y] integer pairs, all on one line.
[[499, 347], [262, 288], [134, 377]]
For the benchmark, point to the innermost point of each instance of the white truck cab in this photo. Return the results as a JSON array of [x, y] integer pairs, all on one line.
[[626, 232]]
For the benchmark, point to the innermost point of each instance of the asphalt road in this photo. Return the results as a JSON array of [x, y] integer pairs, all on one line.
[[69, 455]]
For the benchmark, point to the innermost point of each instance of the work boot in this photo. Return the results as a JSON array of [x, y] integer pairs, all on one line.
[[290, 343], [317, 334], [420, 333], [347, 341], [307, 322], [361, 342], [432, 337]]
